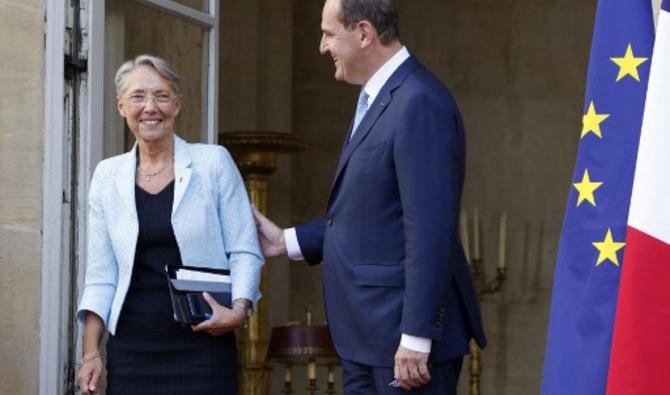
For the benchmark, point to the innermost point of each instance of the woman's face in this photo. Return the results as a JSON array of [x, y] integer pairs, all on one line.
[[149, 105]]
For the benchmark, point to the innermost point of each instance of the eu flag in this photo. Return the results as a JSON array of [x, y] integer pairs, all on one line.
[[590, 253]]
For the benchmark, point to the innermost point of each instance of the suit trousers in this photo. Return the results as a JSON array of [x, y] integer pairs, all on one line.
[[359, 379]]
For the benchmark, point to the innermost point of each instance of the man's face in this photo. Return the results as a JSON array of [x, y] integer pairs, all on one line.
[[342, 45]]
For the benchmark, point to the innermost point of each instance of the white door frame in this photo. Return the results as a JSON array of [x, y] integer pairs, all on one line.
[[56, 273], [52, 339]]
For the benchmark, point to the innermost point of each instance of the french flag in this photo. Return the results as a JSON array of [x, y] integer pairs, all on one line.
[[640, 355]]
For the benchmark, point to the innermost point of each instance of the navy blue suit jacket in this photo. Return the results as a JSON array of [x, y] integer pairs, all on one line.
[[392, 257]]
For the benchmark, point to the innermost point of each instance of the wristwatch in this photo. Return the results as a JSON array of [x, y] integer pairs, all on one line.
[[245, 304]]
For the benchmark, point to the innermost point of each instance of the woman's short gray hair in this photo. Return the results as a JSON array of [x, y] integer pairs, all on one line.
[[162, 66]]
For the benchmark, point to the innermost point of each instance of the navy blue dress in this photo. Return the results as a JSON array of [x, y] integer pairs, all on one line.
[[150, 352]]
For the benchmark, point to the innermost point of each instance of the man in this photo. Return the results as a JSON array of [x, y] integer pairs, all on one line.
[[399, 299]]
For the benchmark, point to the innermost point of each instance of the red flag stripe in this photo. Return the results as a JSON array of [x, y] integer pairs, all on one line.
[[640, 359]]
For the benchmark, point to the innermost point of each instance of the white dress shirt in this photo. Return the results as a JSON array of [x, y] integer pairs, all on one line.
[[372, 88]]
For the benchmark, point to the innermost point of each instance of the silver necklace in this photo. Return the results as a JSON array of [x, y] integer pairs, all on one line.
[[149, 176]]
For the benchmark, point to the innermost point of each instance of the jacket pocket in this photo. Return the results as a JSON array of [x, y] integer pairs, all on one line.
[[379, 274], [369, 152]]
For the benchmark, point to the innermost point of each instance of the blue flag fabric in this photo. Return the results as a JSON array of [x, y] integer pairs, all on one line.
[[592, 241]]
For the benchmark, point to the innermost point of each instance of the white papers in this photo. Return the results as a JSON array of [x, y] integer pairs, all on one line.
[[193, 275]]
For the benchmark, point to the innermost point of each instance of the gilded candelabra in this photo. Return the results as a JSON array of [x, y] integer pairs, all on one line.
[[256, 155], [483, 285]]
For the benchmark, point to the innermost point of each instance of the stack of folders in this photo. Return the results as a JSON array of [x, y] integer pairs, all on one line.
[[187, 283]]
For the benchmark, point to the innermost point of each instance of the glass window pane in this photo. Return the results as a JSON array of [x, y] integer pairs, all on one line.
[[134, 29], [198, 5]]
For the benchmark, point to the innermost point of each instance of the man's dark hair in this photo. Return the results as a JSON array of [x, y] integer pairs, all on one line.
[[380, 13]]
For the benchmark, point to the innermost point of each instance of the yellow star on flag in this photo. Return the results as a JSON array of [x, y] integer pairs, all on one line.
[[591, 121], [586, 188], [628, 64], [607, 249]]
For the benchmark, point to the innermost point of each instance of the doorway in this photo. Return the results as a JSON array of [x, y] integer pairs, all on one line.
[[84, 128]]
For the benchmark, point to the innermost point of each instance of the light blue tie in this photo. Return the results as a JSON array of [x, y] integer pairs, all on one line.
[[361, 109]]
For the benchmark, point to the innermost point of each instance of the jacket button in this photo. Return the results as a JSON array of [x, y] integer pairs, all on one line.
[[329, 222]]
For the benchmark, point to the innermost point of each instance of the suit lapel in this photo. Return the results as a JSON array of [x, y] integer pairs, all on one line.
[[182, 171], [377, 108], [125, 181]]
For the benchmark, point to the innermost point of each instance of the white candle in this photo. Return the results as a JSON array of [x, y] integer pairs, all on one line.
[[501, 240], [464, 235], [475, 231], [311, 370], [287, 373], [331, 374]]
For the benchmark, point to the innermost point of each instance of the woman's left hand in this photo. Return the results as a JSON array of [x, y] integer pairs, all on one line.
[[223, 319]]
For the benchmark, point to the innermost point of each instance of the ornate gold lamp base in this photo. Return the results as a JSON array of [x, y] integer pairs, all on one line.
[[304, 344], [256, 155]]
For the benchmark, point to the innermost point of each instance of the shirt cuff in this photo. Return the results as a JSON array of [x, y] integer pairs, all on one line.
[[418, 344], [292, 246]]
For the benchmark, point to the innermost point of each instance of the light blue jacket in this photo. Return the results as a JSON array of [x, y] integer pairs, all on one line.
[[211, 217]]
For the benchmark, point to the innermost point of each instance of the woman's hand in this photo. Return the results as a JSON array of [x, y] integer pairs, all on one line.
[[223, 319], [88, 377], [90, 369]]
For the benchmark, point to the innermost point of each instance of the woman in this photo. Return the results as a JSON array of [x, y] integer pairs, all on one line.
[[164, 202]]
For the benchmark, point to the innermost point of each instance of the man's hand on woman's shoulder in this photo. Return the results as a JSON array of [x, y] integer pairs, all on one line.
[[270, 236]]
